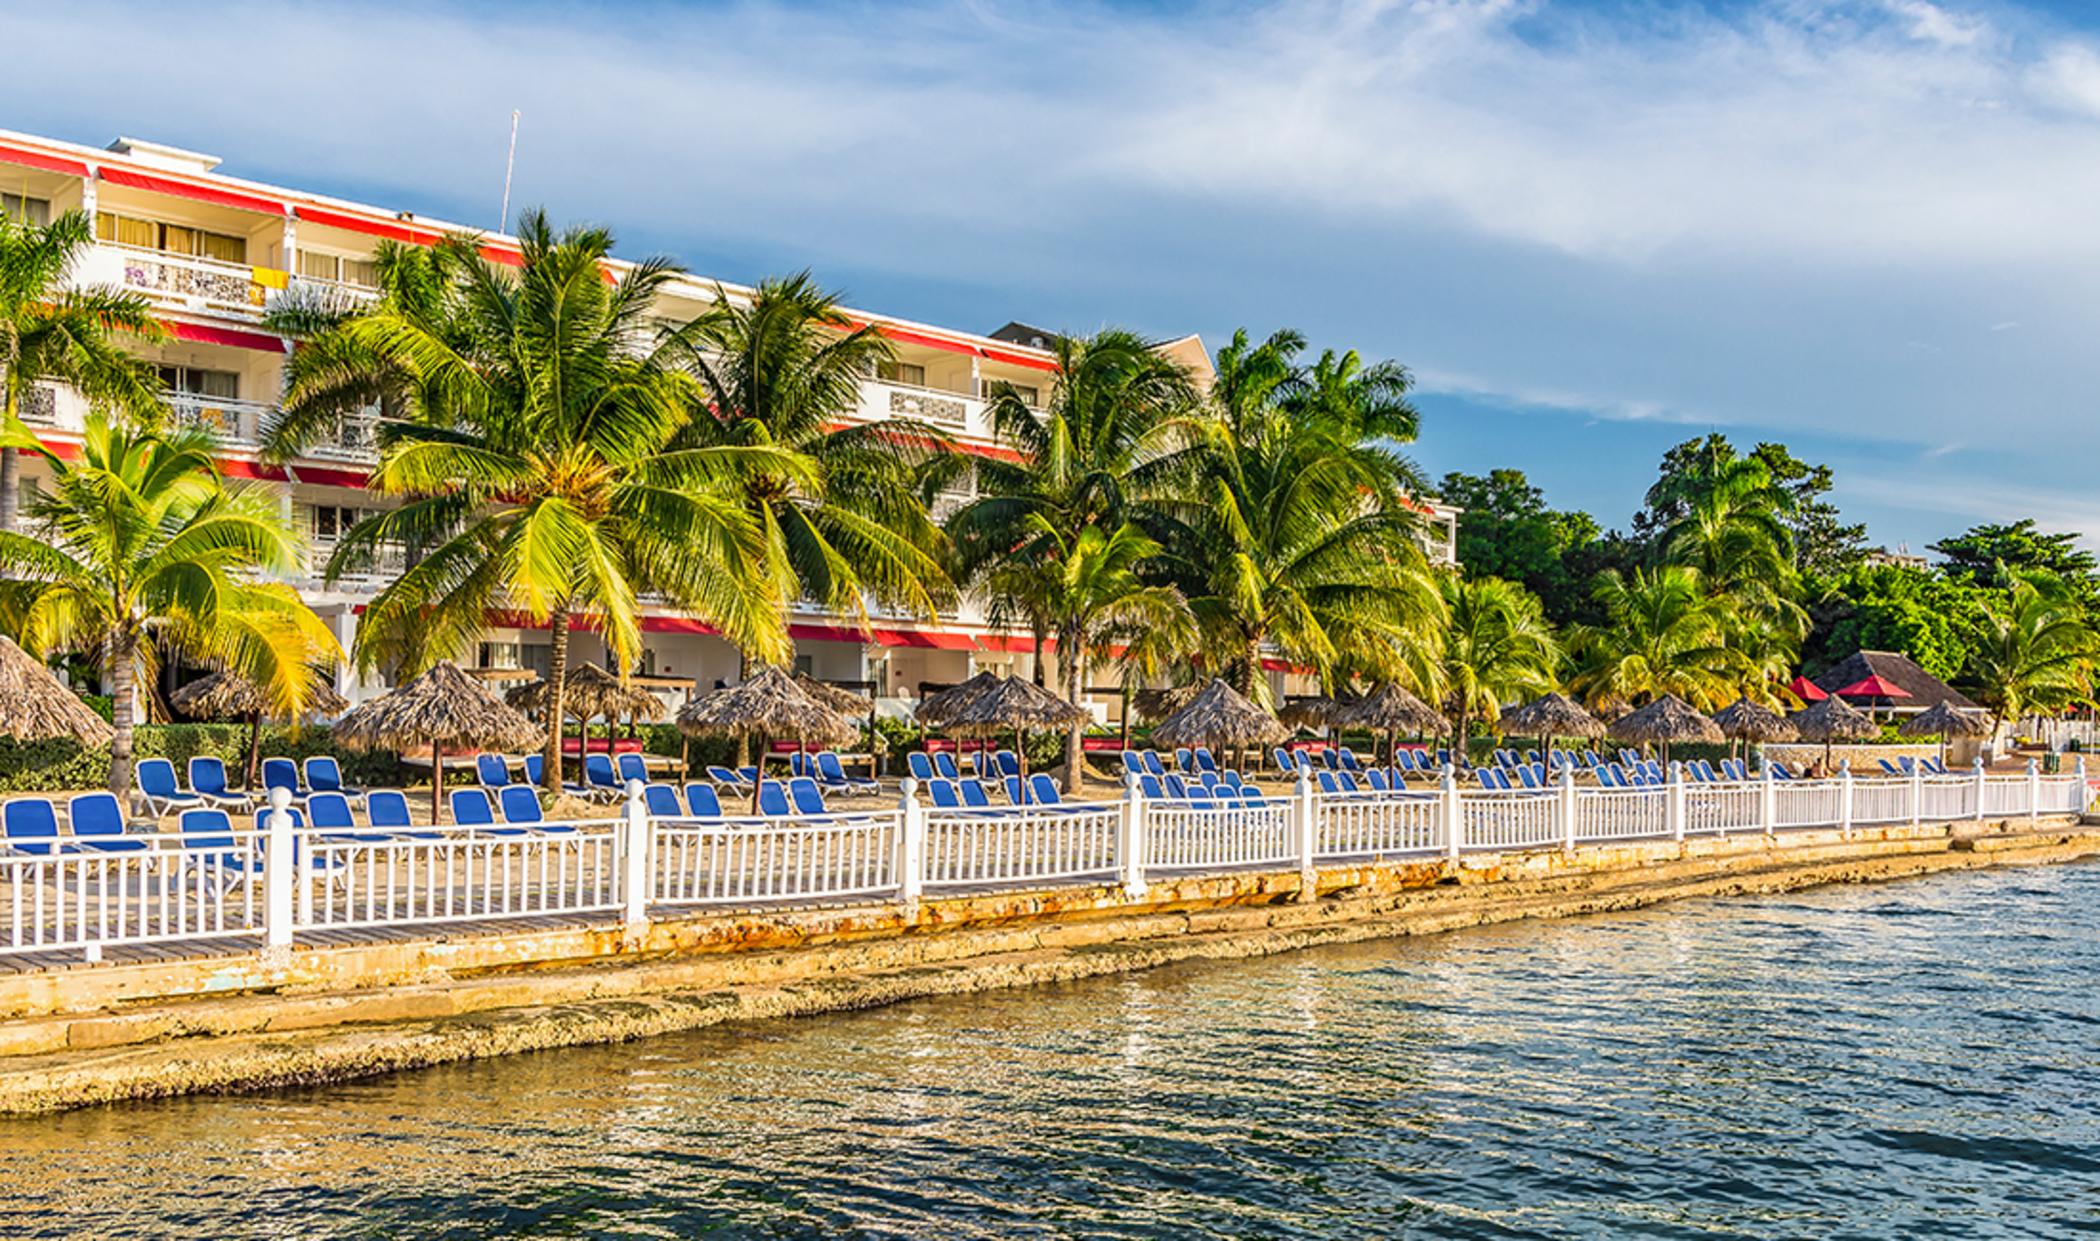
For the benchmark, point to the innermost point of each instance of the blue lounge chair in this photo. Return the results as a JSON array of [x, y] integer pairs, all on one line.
[[974, 796], [387, 810], [492, 770], [600, 783], [208, 781], [522, 814], [32, 828], [1153, 764], [1251, 796], [324, 865], [772, 800], [324, 776], [98, 824], [536, 767], [1204, 761], [1043, 790], [330, 814], [1201, 797], [1232, 779], [943, 794], [1007, 763], [471, 808], [944, 766], [798, 763], [662, 801], [1208, 779], [1327, 782], [725, 778], [831, 773], [282, 773], [1348, 760], [1133, 765], [157, 785], [1283, 761], [1016, 792], [1148, 786], [1184, 762], [807, 798], [207, 842], [1177, 788], [920, 764], [632, 767], [1346, 780], [702, 801]]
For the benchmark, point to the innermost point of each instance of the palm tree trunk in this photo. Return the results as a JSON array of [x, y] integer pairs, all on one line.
[[557, 673], [254, 750], [1037, 633], [10, 467], [124, 684], [1253, 667], [1072, 663]]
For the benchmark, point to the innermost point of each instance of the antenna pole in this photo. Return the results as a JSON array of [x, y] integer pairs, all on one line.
[[510, 161]]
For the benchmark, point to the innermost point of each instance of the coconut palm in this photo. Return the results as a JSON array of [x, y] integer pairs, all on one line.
[[1088, 591], [1494, 647], [1664, 635], [1112, 439], [783, 369], [1734, 533], [2035, 652], [540, 467], [54, 331], [140, 552]]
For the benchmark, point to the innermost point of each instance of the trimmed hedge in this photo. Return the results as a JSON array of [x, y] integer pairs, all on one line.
[[53, 765]]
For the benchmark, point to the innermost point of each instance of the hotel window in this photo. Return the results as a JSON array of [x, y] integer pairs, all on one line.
[[333, 521], [126, 230], [902, 373], [338, 269], [502, 655], [36, 211], [1030, 396], [192, 381]]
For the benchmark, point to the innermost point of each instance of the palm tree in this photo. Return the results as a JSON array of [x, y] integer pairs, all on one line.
[[143, 552], [1495, 646], [2035, 652], [1088, 591], [1113, 438], [1734, 533], [783, 369], [540, 466], [1664, 635], [53, 331]]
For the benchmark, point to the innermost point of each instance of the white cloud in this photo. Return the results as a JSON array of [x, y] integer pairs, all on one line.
[[2069, 76], [1936, 24]]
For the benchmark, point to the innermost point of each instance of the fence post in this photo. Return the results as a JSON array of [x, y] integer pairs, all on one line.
[[1305, 827], [1767, 799], [280, 875], [1451, 812], [1845, 797], [911, 846], [1568, 809], [2078, 795], [1673, 800], [635, 870], [1980, 785], [1130, 849], [1917, 793], [2034, 791]]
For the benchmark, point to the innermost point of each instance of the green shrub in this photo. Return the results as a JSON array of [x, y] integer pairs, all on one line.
[[60, 765]]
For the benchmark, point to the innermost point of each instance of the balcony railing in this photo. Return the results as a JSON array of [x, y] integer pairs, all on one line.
[[178, 279], [935, 406], [233, 421]]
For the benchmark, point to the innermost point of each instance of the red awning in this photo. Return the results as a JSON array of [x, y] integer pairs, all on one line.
[[925, 639], [676, 624], [1019, 359], [1806, 690], [26, 157], [1285, 665], [1014, 645], [199, 191], [920, 338], [1874, 687], [370, 226], [825, 633], [225, 336]]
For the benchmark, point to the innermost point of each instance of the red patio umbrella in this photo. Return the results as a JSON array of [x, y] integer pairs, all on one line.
[[1871, 688], [1806, 690]]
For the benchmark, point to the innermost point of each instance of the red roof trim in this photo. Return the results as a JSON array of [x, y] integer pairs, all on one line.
[[925, 639], [180, 188], [370, 226], [233, 337], [24, 157], [1019, 359]]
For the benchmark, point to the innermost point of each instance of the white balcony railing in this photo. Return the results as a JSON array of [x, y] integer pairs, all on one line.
[[233, 421], [938, 407], [179, 280]]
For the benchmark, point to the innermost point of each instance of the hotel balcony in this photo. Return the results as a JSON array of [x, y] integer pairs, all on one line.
[[201, 286]]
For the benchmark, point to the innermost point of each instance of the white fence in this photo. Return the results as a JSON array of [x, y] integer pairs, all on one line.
[[69, 895]]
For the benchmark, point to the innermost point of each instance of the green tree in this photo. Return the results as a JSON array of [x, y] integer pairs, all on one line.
[[1998, 553], [1494, 648], [1824, 542], [539, 466], [53, 331], [2035, 652], [783, 370], [140, 552], [1923, 613], [1663, 634], [1506, 530]]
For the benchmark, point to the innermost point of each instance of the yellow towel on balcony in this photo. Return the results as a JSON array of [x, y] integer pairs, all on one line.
[[271, 278]]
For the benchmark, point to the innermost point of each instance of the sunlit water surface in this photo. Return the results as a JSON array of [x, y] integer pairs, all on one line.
[[1909, 1060]]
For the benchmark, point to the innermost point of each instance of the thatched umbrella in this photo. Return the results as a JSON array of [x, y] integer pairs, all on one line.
[[36, 706], [1219, 716], [1012, 704], [1555, 715], [935, 710], [588, 691], [1314, 711], [1745, 720], [1158, 704], [1668, 719], [227, 695], [845, 702], [1946, 720], [1832, 719], [1391, 710], [767, 704], [443, 707]]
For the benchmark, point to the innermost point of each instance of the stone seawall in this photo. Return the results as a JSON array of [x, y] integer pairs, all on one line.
[[110, 1032]]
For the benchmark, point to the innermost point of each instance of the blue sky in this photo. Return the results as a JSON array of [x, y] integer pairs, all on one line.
[[1863, 227]]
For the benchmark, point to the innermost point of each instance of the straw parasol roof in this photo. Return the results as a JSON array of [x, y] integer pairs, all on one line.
[[845, 702], [1555, 715], [1158, 704], [1944, 719], [1390, 709], [935, 710], [1012, 703], [1745, 720], [768, 703], [1833, 719], [589, 692], [1666, 721], [226, 695], [1219, 716], [443, 707], [1315, 711], [35, 706]]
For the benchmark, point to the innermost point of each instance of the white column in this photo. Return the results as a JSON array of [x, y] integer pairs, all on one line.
[[2078, 795], [290, 256], [280, 871], [1917, 793], [1130, 844], [87, 196], [1767, 800], [635, 871], [911, 845], [1453, 814], [1305, 828], [2034, 791], [1673, 800], [1568, 808], [1845, 797], [1981, 780]]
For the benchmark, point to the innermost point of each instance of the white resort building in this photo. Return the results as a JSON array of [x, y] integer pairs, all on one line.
[[211, 251]]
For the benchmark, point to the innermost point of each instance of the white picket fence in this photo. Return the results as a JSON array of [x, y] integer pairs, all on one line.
[[62, 896]]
